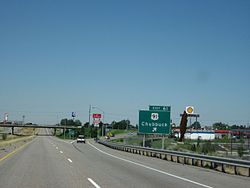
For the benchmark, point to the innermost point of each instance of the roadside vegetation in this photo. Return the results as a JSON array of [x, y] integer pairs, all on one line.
[[205, 147], [24, 135], [90, 131]]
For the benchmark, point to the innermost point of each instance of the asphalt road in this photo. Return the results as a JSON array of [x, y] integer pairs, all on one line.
[[50, 162]]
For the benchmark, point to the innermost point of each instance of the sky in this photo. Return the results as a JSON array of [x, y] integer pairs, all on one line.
[[61, 56]]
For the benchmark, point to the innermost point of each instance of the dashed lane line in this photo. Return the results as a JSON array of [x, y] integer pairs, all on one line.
[[94, 183]]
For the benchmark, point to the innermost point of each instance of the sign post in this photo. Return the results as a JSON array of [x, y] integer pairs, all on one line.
[[163, 142]]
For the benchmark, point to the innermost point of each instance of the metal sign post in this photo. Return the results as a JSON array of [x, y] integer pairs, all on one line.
[[163, 142], [144, 139]]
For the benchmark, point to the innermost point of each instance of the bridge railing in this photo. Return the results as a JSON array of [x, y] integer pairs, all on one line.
[[226, 165]]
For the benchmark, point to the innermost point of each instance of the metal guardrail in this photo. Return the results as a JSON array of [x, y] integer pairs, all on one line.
[[226, 165]]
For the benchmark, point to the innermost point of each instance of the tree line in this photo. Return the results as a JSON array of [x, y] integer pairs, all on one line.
[[92, 131]]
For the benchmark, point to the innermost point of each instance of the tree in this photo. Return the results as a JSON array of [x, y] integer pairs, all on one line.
[[121, 124], [113, 123], [86, 125], [70, 122], [82, 131], [196, 125], [63, 122], [78, 123], [100, 127], [220, 126]]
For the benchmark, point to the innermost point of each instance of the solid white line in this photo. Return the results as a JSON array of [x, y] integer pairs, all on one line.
[[94, 183], [70, 160], [61, 151], [72, 142], [56, 147], [153, 169]]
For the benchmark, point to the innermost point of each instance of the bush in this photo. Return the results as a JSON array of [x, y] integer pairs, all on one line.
[[240, 151], [193, 147], [207, 147], [118, 140], [4, 136]]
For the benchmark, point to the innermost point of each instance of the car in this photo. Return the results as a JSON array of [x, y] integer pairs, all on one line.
[[80, 139], [107, 137]]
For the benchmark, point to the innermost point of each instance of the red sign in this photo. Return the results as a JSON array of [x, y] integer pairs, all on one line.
[[97, 115], [96, 122]]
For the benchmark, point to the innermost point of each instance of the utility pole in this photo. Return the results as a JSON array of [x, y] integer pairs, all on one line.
[[23, 119], [231, 144], [103, 124], [89, 114]]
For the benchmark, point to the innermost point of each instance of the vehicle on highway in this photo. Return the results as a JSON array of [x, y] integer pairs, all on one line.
[[80, 139], [107, 137]]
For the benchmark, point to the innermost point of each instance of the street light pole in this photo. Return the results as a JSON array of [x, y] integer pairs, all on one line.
[[89, 114]]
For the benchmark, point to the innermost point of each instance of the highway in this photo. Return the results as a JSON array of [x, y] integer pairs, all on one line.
[[50, 162]]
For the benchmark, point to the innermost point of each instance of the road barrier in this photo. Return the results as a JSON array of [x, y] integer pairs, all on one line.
[[226, 165]]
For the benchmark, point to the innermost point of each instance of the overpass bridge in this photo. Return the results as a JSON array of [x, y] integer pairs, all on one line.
[[55, 127]]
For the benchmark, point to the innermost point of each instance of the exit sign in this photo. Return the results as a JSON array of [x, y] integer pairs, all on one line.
[[160, 108], [154, 122]]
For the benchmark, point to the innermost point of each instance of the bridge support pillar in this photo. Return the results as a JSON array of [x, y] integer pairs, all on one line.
[[64, 133], [12, 130]]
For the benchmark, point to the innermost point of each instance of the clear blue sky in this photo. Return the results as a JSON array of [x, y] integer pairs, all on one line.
[[122, 55]]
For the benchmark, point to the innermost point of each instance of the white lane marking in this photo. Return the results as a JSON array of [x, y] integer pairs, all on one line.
[[70, 160], [56, 147], [94, 183], [61, 152], [67, 142], [153, 169], [72, 142]]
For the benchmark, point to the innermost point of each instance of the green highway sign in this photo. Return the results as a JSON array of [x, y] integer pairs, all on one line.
[[160, 108], [154, 122]]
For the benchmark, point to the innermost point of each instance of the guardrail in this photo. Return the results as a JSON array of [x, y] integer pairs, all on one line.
[[226, 165]]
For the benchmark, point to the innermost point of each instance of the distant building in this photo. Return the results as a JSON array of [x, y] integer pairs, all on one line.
[[219, 134], [202, 135]]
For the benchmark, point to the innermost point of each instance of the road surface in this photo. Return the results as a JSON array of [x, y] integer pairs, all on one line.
[[48, 162]]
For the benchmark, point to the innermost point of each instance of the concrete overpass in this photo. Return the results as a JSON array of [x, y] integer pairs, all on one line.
[[13, 126]]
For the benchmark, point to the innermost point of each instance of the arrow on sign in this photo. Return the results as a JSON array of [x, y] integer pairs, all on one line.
[[154, 129]]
